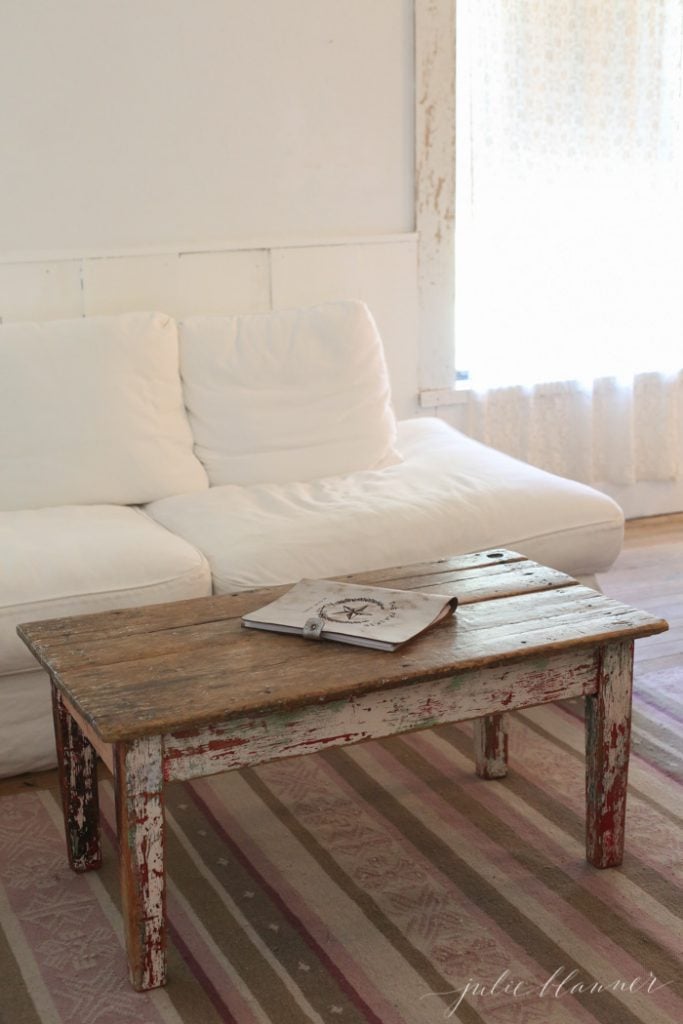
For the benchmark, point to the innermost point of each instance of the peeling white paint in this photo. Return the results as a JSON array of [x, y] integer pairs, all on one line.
[[250, 740], [435, 188], [141, 851]]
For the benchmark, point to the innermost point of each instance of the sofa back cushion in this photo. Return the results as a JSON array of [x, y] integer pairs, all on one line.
[[292, 395], [91, 412]]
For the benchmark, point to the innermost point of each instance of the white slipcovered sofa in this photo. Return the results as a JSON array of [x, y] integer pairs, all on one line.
[[142, 460]]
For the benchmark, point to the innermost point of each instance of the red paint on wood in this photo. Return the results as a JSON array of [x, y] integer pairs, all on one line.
[[491, 746], [320, 741], [225, 744], [140, 826], [608, 729], [77, 764]]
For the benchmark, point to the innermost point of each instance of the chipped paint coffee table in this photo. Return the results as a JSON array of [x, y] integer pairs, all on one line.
[[179, 691]]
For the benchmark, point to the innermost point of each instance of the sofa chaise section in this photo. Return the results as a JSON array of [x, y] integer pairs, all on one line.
[[449, 495]]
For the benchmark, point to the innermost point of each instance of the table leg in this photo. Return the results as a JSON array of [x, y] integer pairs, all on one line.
[[140, 825], [491, 746], [77, 765], [608, 733]]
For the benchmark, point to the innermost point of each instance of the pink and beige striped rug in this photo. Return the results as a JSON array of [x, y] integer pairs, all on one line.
[[381, 884]]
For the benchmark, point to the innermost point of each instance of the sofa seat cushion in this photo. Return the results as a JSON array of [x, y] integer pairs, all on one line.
[[78, 559], [449, 495], [91, 412], [289, 395]]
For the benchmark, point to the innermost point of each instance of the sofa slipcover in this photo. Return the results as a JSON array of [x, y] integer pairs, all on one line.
[[68, 561], [449, 495], [27, 733], [91, 412], [294, 394]]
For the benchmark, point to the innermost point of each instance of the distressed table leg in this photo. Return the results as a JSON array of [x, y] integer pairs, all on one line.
[[77, 764], [491, 746], [140, 825], [608, 733]]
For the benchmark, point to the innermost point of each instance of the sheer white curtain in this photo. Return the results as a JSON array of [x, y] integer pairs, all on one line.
[[569, 309]]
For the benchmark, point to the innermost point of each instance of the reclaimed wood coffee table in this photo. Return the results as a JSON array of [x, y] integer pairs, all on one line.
[[179, 691]]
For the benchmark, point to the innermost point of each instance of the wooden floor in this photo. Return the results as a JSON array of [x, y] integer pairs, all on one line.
[[649, 575]]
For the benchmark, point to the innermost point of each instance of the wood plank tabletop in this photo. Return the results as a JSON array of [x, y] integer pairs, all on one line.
[[159, 668]]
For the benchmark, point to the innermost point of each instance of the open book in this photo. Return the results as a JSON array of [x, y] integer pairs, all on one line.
[[352, 614]]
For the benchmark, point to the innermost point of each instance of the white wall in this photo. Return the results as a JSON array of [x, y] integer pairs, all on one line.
[[130, 123], [214, 156]]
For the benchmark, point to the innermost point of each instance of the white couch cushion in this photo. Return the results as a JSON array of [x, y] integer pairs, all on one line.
[[450, 495], [27, 733], [74, 560], [91, 411], [290, 395]]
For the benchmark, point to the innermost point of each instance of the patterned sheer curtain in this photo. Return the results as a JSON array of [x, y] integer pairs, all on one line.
[[569, 231]]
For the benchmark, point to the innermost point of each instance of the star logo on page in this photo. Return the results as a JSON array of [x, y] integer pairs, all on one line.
[[363, 610], [352, 613]]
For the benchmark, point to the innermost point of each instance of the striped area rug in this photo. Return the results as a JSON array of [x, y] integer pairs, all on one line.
[[381, 884]]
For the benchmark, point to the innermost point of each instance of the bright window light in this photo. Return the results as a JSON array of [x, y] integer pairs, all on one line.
[[569, 212]]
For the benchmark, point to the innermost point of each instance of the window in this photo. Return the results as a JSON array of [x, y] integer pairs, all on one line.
[[569, 213]]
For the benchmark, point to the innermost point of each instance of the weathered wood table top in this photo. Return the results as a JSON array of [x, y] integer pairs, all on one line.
[[154, 669]]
